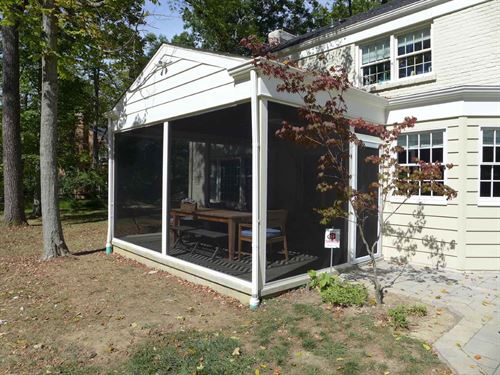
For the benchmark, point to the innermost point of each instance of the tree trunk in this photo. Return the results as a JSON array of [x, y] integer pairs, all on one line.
[[95, 138], [11, 124], [53, 239]]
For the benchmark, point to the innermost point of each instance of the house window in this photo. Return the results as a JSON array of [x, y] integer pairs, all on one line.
[[230, 182], [414, 53], [490, 163], [427, 147], [376, 62]]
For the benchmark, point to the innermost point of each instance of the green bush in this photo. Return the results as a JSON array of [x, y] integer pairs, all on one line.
[[399, 314], [417, 310], [338, 292], [89, 183], [399, 317]]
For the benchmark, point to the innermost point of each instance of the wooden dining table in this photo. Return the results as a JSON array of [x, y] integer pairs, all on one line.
[[229, 217]]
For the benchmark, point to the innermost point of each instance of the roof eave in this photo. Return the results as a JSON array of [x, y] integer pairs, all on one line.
[[358, 26]]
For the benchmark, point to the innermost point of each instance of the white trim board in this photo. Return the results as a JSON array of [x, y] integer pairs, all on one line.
[[464, 101], [220, 278]]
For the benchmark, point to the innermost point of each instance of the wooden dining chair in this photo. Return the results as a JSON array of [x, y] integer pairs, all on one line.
[[275, 231]]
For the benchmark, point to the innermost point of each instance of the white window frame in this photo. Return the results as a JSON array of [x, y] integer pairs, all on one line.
[[393, 40], [426, 199], [422, 51], [486, 201], [389, 59]]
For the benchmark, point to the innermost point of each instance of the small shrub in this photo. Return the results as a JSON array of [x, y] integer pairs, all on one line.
[[338, 292], [399, 317], [399, 314], [417, 310]]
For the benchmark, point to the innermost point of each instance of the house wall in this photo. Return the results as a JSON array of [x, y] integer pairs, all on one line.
[[461, 233], [465, 49], [481, 222], [434, 233]]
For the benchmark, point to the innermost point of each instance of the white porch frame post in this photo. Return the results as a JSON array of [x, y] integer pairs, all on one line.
[[164, 196], [351, 226], [111, 188], [263, 151], [255, 298]]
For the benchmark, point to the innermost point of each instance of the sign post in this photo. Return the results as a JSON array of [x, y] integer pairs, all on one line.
[[332, 241]]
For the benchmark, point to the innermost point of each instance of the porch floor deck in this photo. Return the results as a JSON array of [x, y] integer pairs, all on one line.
[[276, 267]]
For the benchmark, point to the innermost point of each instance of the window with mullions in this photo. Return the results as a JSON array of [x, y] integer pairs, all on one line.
[[414, 53], [376, 62], [426, 147], [490, 164]]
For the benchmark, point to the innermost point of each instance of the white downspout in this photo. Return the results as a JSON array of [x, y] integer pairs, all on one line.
[[111, 189], [255, 298]]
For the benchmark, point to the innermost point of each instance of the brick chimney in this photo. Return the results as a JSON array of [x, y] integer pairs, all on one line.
[[279, 36]]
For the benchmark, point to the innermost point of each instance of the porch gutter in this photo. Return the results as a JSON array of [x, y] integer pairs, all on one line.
[[255, 298]]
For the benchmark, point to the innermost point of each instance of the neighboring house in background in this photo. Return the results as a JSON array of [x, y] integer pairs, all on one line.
[[438, 61], [193, 152]]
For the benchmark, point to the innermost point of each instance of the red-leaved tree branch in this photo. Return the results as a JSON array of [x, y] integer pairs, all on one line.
[[324, 126]]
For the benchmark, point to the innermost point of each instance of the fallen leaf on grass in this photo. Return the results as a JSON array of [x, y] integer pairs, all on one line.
[[339, 359], [236, 351], [387, 372], [426, 346]]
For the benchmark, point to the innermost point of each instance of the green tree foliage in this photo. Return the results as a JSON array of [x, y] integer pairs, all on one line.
[[100, 52], [220, 25], [342, 9]]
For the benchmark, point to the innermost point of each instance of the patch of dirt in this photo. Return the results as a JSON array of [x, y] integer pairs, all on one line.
[[91, 308]]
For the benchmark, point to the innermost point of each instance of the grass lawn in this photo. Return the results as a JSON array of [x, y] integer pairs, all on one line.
[[91, 313]]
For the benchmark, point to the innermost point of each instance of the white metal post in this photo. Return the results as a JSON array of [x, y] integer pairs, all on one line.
[[263, 151], [164, 197], [111, 188], [255, 298]]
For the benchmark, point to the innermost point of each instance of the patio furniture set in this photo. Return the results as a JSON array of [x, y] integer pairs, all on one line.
[[189, 231]]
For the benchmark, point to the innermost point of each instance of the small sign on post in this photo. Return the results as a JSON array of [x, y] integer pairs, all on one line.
[[332, 241]]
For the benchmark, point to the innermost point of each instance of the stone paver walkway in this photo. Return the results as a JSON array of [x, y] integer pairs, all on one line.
[[472, 346]]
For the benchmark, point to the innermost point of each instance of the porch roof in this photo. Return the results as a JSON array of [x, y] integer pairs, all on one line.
[[180, 82]]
